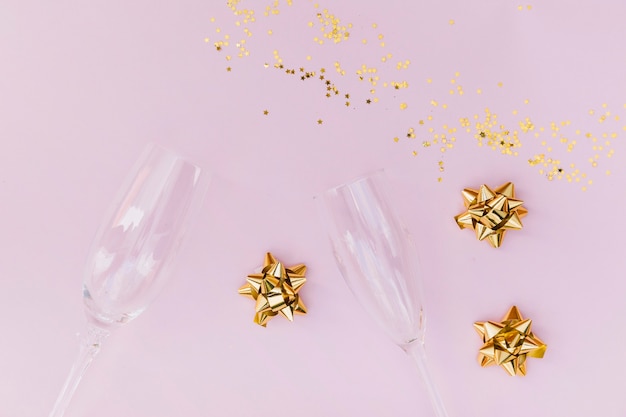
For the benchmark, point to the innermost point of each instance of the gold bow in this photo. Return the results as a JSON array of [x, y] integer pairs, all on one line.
[[490, 213], [509, 343], [275, 290]]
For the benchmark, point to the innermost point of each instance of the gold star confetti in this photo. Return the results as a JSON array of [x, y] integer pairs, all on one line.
[[504, 136], [509, 343], [490, 213], [275, 290], [320, 121], [266, 112]]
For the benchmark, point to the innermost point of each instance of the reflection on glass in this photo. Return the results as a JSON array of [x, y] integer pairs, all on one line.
[[132, 252], [377, 261]]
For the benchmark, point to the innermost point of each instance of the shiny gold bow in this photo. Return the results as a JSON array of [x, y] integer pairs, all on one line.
[[275, 290], [509, 343], [490, 213]]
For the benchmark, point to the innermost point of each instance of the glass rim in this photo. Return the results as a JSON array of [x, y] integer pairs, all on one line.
[[152, 147], [376, 173]]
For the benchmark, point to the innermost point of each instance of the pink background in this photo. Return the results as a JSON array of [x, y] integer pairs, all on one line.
[[84, 85]]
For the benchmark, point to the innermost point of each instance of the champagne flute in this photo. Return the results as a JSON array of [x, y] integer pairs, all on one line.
[[377, 260], [131, 255]]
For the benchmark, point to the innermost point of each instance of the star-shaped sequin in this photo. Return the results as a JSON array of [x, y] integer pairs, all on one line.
[[490, 213], [509, 343], [275, 290]]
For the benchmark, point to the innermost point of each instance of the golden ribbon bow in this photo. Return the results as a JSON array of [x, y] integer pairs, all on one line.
[[490, 213], [275, 290], [509, 343]]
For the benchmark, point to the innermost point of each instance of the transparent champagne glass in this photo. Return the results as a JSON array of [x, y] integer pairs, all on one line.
[[131, 255], [378, 262]]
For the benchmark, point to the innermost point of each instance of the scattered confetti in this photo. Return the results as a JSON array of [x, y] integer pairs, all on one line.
[[504, 131]]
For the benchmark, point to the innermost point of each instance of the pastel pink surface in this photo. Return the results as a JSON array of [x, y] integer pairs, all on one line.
[[84, 86]]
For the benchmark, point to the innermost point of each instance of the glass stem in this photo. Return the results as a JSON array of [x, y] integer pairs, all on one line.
[[90, 341], [417, 352]]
